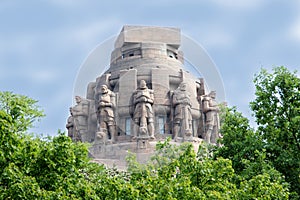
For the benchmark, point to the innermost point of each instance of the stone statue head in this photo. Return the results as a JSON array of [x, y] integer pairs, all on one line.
[[104, 89], [182, 86], [143, 84], [77, 99], [213, 94]]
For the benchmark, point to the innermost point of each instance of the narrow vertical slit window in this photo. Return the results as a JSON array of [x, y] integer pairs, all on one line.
[[161, 125], [128, 126]]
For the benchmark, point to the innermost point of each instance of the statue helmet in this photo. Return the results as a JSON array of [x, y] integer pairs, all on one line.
[[212, 93], [182, 85], [77, 98], [143, 84], [104, 88]]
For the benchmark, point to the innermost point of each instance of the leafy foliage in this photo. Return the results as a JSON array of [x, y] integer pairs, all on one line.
[[277, 112], [184, 175], [273, 149], [239, 140], [22, 110], [32, 168]]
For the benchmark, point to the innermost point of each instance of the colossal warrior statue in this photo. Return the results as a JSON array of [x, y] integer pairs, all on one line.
[[143, 112], [81, 114], [212, 122], [182, 114], [105, 114], [146, 94], [70, 125]]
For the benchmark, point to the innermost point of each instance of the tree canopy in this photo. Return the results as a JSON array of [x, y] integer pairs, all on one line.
[[277, 112], [275, 143], [22, 110]]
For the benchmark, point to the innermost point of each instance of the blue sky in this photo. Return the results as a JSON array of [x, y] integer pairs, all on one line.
[[44, 43]]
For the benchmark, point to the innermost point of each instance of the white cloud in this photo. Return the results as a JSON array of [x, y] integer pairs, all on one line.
[[294, 30], [83, 35], [32, 75], [218, 38], [239, 5], [67, 3], [91, 32], [42, 76], [17, 45], [214, 37]]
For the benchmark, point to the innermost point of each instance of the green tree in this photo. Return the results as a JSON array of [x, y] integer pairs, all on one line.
[[239, 142], [255, 175], [175, 172], [184, 175], [22, 110], [56, 168], [32, 167], [17, 114], [277, 111], [51, 167]]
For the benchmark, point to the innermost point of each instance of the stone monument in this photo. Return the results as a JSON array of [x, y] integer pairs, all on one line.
[[144, 96]]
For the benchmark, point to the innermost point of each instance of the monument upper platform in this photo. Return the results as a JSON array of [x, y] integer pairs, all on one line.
[[149, 34], [138, 46]]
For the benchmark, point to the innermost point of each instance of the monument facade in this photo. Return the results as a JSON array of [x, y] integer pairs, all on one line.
[[146, 95]]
